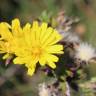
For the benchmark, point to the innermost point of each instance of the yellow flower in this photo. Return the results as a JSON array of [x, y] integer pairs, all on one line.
[[30, 44], [39, 45], [9, 35]]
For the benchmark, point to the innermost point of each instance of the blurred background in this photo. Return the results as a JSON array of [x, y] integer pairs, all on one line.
[[12, 82]]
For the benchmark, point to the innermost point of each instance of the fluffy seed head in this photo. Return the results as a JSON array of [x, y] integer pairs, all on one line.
[[85, 52]]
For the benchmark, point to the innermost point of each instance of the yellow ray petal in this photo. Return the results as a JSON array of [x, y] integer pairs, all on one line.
[[51, 64], [55, 49], [53, 58], [34, 32], [43, 30], [32, 60], [42, 61], [6, 56], [36, 29], [27, 34], [4, 31], [18, 60], [35, 25], [31, 71], [16, 28]]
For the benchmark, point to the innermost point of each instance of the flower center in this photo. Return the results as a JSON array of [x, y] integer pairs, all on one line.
[[37, 51]]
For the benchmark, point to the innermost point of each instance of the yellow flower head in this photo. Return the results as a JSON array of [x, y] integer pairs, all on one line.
[[32, 44], [8, 37]]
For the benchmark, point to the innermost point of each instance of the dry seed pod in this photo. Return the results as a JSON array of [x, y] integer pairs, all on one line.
[[85, 52]]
